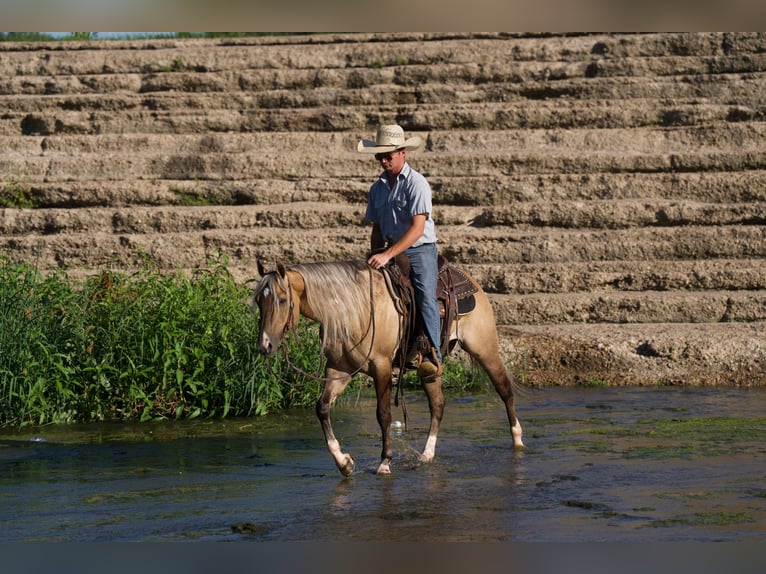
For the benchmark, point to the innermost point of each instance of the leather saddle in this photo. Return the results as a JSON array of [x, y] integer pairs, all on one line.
[[454, 292]]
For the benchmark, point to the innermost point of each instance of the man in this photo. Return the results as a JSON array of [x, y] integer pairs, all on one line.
[[399, 207]]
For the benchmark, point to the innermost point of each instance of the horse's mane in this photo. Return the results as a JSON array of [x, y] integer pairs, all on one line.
[[339, 294]]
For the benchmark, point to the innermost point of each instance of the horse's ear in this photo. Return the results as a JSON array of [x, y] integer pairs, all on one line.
[[261, 268], [281, 270]]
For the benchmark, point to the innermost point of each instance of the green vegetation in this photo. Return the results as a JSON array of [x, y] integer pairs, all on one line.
[[16, 195], [89, 36], [46, 37], [377, 63], [26, 37], [202, 197], [720, 518], [595, 384], [142, 346], [148, 346]]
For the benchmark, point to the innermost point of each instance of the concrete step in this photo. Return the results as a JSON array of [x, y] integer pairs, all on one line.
[[718, 188], [508, 246], [648, 140], [149, 220], [499, 190], [631, 307], [401, 84], [366, 50], [404, 85], [185, 250], [720, 353], [462, 244], [270, 164], [625, 276], [527, 216], [621, 214], [186, 192], [247, 118]]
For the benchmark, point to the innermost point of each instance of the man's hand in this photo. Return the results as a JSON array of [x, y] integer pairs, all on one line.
[[378, 260]]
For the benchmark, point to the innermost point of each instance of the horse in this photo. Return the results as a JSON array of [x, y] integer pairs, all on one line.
[[360, 332]]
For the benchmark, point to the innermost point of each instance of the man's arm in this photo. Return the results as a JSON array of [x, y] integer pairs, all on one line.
[[379, 260]]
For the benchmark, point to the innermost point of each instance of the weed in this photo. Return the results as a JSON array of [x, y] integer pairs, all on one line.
[[178, 65], [142, 346], [16, 195], [195, 198], [720, 518], [595, 384], [377, 63]]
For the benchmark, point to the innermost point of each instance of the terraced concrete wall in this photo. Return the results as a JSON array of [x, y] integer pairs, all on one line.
[[606, 190]]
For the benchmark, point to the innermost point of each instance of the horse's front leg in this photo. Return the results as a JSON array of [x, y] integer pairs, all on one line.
[[334, 386], [383, 383]]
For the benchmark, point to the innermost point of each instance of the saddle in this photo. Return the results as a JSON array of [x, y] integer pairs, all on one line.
[[454, 292]]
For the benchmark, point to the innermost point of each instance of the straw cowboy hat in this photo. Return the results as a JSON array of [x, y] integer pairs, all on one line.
[[389, 138]]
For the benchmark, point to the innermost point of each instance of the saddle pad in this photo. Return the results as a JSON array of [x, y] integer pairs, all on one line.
[[466, 304]]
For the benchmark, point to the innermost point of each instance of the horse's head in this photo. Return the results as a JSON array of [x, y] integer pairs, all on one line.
[[276, 306]]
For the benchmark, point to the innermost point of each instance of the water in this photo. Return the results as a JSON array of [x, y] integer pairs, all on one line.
[[616, 464]]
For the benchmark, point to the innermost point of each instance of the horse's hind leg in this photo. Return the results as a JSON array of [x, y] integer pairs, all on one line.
[[498, 374], [334, 386], [479, 339], [435, 396]]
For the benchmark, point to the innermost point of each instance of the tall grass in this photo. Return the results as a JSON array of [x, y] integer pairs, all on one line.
[[141, 346]]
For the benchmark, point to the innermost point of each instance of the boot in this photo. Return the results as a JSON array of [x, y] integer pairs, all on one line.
[[430, 371]]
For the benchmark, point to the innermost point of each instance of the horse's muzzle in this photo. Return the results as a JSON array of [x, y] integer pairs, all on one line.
[[266, 347]]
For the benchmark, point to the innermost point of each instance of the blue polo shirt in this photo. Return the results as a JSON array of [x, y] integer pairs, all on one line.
[[393, 208]]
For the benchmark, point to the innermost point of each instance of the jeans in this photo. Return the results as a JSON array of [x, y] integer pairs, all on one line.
[[424, 275]]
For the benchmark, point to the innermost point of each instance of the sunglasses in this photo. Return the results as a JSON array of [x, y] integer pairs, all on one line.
[[386, 156]]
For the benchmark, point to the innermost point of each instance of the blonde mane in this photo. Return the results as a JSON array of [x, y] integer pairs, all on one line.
[[338, 292]]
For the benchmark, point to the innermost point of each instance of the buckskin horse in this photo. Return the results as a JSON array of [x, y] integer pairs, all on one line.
[[361, 332]]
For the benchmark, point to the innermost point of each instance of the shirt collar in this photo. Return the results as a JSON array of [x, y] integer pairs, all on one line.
[[402, 174]]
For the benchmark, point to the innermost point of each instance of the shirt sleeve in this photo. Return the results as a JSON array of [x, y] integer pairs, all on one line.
[[420, 193], [372, 214]]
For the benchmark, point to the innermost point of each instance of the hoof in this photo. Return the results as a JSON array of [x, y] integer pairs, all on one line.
[[383, 469], [348, 467]]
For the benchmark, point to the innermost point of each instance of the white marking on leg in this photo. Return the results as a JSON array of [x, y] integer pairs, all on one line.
[[430, 450], [334, 447], [516, 432], [343, 461]]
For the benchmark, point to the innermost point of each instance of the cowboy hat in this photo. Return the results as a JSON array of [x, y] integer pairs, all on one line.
[[389, 138]]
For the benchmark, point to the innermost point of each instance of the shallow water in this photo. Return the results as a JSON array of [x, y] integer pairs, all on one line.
[[608, 464]]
